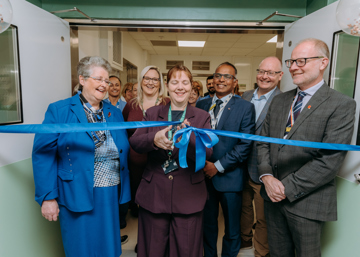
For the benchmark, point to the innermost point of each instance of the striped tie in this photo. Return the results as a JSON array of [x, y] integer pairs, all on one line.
[[295, 111]]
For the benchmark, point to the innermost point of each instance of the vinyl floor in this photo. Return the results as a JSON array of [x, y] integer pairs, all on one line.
[[131, 231]]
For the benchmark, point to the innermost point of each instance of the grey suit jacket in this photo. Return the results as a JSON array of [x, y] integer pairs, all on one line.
[[252, 160], [308, 174]]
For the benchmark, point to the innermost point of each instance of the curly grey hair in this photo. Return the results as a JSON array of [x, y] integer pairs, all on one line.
[[87, 63]]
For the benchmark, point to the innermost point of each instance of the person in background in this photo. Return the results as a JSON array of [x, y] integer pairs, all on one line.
[[151, 92], [81, 177], [115, 93], [236, 90], [171, 198], [126, 92], [135, 90], [226, 168], [199, 86], [210, 87], [268, 77], [114, 99], [194, 96], [299, 182]]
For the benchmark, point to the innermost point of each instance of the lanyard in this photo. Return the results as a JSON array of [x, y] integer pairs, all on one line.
[[142, 107], [214, 120], [170, 133]]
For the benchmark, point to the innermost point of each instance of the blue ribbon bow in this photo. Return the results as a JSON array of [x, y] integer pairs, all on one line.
[[204, 138]]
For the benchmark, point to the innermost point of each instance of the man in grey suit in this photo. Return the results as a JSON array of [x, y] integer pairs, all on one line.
[[299, 183], [268, 76]]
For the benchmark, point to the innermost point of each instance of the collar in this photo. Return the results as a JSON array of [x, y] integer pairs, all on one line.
[[312, 90], [224, 99], [266, 96]]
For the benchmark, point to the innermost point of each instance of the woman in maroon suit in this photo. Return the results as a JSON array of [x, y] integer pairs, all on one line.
[[171, 198]]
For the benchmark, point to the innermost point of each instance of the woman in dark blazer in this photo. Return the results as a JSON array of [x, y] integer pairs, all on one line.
[[171, 198], [79, 174]]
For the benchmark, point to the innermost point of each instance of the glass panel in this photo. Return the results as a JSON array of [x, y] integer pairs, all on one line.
[[10, 94], [344, 63]]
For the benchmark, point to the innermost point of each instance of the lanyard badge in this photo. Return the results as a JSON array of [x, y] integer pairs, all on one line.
[[170, 164]]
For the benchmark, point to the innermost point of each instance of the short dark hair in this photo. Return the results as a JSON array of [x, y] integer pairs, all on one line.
[[113, 76], [229, 64], [210, 77]]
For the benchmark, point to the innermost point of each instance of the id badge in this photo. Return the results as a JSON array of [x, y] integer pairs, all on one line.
[[169, 166]]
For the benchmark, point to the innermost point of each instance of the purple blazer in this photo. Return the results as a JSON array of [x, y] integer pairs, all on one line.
[[182, 191]]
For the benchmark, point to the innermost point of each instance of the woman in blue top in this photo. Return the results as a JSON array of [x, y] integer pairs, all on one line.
[[78, 175], [115, 93]]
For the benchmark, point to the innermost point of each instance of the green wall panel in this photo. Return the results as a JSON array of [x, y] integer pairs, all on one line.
[[211, 10], [341, 238], [24, 232]]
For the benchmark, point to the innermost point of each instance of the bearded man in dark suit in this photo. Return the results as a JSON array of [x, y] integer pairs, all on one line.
[[299, 183]]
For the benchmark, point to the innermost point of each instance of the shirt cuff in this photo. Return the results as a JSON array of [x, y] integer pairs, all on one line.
[[219, 167], [264, 175]]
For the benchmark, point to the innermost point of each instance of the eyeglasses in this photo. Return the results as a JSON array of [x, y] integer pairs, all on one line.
[[300, 62], [100, 80], [269, 72], [226, 76], [154, 80]]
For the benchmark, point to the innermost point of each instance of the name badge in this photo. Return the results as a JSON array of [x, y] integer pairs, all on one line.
[[169, 166]]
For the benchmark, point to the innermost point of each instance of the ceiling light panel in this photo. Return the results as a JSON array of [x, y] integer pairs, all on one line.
[[191, 43]]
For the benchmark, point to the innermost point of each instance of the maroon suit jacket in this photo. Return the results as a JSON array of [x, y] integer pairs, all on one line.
[[182, 191]]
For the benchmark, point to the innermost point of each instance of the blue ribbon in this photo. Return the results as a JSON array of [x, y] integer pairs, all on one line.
[[328, 146], [82, 127], [204, 138]]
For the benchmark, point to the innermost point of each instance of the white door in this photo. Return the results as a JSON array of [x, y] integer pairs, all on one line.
[[44, 53], [322, 25]]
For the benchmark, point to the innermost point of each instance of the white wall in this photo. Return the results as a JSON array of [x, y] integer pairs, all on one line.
[[44, 70], [95, 42]]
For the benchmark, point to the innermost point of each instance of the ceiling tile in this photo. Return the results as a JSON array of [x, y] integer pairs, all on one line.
[[166, 50], [137, 35], [241, 44], [218, 44], [190, 50], [250, 38], [192, 36], [238, 51], [214, 50], [224, 37], [144, 42], [160, 35]]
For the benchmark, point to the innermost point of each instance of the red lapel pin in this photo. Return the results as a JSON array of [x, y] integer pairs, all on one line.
[[309, 106], [109, 114]]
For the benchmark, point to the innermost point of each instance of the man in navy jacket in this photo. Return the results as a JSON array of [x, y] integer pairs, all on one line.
[[225, 170]]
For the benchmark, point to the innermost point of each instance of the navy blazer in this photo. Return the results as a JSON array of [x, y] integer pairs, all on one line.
[[63, 163], [238, 116], [182, 191]]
